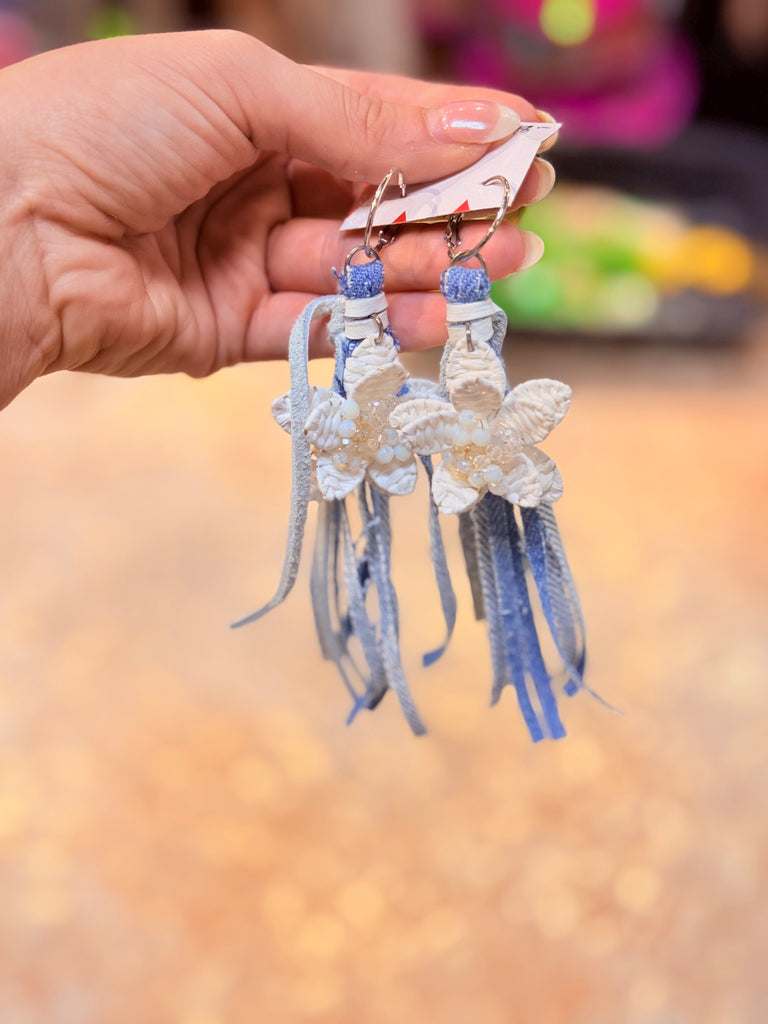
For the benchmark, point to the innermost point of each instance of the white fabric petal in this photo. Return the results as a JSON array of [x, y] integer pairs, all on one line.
[[481, 395], [549, 475], [420, 387], [451, 495], [281, 411], [394, 477], [481, 362], [532, 409], [322, 426], [336, 481], [382, 384], [423, 424], [368, 359], [281, 407], [318, 395], [521, 484]]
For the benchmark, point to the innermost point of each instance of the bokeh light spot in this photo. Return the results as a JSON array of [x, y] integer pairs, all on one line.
[[321, 936], [361, 903], [567, 22], [110, 21], [636, 888], [719, 260]]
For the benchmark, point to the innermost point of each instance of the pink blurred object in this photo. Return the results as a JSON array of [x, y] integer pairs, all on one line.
[[647, 107], [17, 38], [632, 81], [608, 13]]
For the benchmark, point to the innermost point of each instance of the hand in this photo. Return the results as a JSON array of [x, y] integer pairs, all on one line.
[[170, 203]]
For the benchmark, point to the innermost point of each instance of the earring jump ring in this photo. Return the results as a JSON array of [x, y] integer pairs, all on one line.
[[372, 252], [369, 251], [469, 254], [377, 199], [474, 252]]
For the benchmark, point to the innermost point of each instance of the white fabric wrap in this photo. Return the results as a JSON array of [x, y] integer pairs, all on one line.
[[476, 315], [358, 316]]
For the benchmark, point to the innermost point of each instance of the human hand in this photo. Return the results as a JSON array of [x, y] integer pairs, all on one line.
[[170, 203]]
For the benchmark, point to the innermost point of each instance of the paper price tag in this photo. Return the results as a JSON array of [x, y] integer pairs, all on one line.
[[464, 191]]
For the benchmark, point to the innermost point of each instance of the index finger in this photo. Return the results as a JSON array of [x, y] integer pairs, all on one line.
[[400, 89]]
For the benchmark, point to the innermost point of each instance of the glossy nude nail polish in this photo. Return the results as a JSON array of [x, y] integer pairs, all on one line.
[[472, 121]]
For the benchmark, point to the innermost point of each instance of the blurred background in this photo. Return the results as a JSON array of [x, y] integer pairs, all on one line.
[[189, 834]]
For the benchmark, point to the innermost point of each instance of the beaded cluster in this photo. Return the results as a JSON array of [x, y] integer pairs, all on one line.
[[486, 439], [350, 435]]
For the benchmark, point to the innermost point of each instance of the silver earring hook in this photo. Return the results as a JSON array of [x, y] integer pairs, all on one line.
[[377, 199], [474, 252], [372, 252]]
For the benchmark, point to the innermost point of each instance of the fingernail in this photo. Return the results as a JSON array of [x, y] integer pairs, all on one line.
[[534, 249], [472, 121], [547, 119], [546, 183]]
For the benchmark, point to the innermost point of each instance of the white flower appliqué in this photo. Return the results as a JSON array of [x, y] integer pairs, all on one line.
[[351, 437], [486, 438]]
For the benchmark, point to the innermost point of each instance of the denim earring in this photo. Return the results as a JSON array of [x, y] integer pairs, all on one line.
[[343, 447], [492, 475]]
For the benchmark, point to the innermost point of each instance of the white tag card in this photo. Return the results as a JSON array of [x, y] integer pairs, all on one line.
[[464, 191]]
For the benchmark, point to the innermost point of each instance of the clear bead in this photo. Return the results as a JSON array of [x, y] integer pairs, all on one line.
[[350, 410], [493, 474], [476, 478]]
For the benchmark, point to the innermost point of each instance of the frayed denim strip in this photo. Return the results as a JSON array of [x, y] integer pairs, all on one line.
[[298, 354]]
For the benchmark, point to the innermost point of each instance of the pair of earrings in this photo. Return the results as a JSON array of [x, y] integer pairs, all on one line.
[[366, 436]]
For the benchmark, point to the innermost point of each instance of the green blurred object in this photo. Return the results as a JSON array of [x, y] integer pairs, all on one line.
[[615, 264], [110, 21]]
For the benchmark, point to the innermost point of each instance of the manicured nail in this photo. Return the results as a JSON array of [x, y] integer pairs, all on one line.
[[472, 121], [546, 183], [547, 119], [534, 249]]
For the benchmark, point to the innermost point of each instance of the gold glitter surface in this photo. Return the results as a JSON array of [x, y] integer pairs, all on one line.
[[189, 834]]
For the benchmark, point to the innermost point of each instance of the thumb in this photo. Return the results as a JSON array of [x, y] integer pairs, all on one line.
[[358, 135]]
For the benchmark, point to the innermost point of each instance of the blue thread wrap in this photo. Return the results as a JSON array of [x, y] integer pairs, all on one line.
[[464, 284]]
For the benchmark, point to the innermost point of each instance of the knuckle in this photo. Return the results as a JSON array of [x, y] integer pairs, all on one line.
[[369, 121]]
